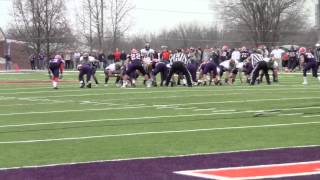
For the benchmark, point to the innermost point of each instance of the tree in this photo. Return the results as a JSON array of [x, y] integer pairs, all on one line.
[[119, 11], [263, 20], [42, 24], [92, 21]]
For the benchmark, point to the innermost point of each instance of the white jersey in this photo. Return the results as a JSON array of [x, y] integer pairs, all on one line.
[[226, 64], [111, 67], [240, 65], [275, 63], [277, 53], [236, 56], [147, 55], [92, 59]]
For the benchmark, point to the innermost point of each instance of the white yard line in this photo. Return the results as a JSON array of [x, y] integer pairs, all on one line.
[[208, 109], [74, 110], [171, 105], [111, 119], [312, 116], [151, 91], [292, 114], [155, 132], [220, 112], [246, 101]]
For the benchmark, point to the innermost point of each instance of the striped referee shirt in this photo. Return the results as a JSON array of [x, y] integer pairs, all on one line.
[[179, 57], [256, 58]]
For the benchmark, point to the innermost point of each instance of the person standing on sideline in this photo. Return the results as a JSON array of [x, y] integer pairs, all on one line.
[[317, 53], [41, 60], [7, 57], [110, 58], [76, 60], [102, 59], [117, 55], [32, 60], [123, 56]]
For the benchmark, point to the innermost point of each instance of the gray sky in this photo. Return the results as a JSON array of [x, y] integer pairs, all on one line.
[[149, 15]]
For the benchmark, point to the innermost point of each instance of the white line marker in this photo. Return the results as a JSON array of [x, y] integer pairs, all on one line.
[[171, 105], [311, 116], [209, 109], [293, 114], [74, 110], [222, 112], [154, 132]]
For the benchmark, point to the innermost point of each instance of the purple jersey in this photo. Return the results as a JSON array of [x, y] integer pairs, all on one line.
[[292, 53], [210, 67], [41, 57], [55, 63], [244, 55], [192, 68], [135, 58], [308, 57]]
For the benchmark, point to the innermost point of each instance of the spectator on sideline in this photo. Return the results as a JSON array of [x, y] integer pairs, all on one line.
[[8, 62], [285, 61], [32, 60], [123, 56], [68, 61], [76, 60], [117, 55], [110, 58], [41, 60], [317, 52], [102, 59]]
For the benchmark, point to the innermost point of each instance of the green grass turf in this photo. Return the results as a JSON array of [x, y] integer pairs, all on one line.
[[113, 111]]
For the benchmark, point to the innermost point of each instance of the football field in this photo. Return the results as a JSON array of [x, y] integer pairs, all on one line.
[[40, 126]]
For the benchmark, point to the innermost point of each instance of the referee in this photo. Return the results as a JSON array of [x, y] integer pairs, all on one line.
[[258, 64], [178, 63]]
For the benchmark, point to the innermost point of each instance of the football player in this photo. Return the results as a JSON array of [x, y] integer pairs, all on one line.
[[85, 68], [308, 61], [135, 64], [230, 67], [211, 72], [112, 70], [147, 55], [56, 68]]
